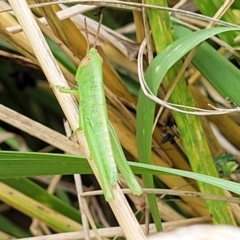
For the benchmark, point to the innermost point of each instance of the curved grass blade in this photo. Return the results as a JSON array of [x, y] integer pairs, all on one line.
[[53, 160], [154, 76]]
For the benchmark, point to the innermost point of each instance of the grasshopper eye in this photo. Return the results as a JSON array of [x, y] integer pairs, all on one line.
[[86, 60]]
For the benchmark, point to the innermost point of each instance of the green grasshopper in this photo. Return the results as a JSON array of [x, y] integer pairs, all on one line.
[[102, 141]]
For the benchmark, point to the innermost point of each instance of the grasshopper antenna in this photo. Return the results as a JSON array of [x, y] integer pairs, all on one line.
[[98, 11], [98, 30], [85, 24]]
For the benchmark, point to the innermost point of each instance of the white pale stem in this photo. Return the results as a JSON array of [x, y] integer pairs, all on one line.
[[55, 77]]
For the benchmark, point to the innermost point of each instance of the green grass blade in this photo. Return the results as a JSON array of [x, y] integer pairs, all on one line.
[[138, 168], [18, 164], [210, 9], [163, 62], [174, 52], [34, 209], [12, 229], [218, 182], [34, 191], [223, 76]]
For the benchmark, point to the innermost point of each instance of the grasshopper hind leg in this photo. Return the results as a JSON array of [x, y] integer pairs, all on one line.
[[96, 156]]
